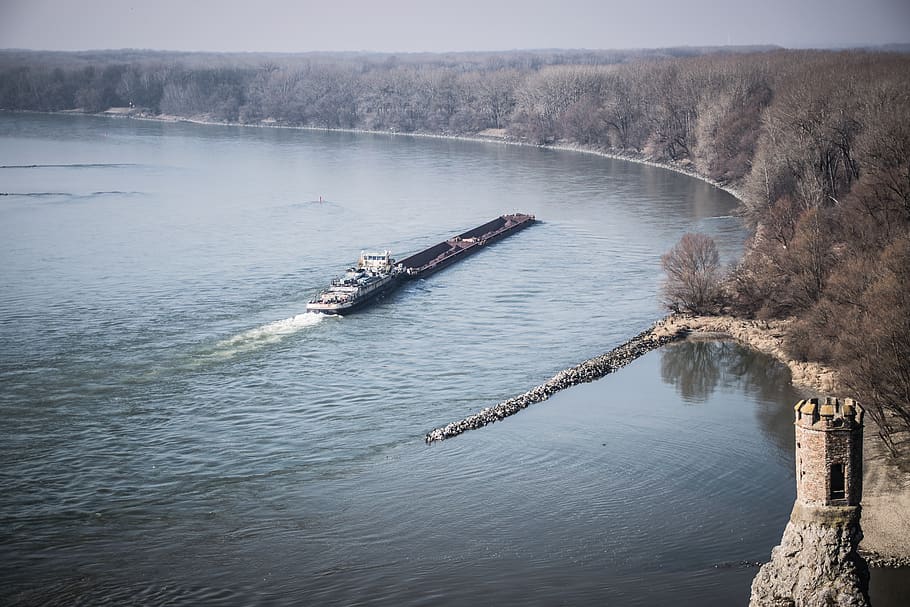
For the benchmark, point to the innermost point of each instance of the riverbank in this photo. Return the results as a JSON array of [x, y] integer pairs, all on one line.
[[886, 481], [497, 136], [765, 336]]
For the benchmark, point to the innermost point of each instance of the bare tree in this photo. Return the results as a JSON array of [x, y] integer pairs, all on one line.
[[693, 275], [874, 350]]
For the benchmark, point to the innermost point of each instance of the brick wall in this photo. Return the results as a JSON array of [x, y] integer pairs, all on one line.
[[828, 433]]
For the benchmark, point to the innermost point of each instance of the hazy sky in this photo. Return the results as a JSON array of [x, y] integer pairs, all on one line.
[[454, 25]]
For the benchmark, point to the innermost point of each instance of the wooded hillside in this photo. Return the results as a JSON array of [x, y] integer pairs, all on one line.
[[817, 142]]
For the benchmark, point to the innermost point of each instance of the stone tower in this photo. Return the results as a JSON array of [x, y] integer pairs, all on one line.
[[829, 452], [816, 563]]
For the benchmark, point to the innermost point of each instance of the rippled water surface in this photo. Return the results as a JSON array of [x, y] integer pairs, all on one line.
[[177, 430]]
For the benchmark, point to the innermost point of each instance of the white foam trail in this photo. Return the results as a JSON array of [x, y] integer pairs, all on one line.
[[270, 333]]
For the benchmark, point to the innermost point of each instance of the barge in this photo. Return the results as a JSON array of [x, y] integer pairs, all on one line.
[[377, 273], [458, 247]]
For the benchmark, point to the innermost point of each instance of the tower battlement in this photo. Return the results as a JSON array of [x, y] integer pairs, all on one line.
[[830, 414], [829, 452]]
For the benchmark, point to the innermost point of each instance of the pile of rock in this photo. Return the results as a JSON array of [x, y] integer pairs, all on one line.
[[874, 559], [587, 371]]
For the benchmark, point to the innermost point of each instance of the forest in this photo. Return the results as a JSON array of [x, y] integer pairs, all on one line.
[[816, 143]]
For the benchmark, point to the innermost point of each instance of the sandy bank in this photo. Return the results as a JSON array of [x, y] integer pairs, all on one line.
[[764, 336], [886, 486]]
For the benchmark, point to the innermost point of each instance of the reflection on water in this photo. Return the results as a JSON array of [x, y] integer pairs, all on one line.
[[696, 368], [693, 369]]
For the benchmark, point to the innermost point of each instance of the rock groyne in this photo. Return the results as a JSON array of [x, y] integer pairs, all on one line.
[[588, 371]]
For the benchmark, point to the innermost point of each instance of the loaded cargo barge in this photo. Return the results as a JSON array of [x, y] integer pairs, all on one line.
[[378, 273], [458, 247]]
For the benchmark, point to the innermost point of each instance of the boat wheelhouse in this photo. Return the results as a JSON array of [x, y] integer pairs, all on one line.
[[374, 275]]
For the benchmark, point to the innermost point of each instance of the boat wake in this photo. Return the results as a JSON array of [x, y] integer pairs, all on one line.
[[78, 165], [70, 194], [264, 335]]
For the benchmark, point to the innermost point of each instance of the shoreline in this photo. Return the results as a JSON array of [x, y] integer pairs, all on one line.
[[887, 488], [498, 138], [764, 336]]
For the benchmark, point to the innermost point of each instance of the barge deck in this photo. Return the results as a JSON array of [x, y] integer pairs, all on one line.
[[444, 254]]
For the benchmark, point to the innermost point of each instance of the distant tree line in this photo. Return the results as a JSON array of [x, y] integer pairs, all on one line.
[[817, 142]]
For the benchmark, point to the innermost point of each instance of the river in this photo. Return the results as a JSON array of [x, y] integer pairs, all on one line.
[[176, 429]]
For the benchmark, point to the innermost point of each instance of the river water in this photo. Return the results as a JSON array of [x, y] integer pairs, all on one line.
[[177, 430]]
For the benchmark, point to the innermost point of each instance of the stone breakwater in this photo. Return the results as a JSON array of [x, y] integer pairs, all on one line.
[[588, 371]]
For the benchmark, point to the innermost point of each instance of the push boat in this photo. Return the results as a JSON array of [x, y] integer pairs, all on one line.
[[378, 273], [375, 274]]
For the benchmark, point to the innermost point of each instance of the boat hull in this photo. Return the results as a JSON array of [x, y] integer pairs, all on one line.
[[356, 304]]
